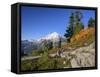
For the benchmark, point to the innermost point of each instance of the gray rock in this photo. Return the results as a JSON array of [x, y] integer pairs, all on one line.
[[81, 57]]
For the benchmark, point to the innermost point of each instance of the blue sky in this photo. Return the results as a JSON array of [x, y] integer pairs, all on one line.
[[39, 21]]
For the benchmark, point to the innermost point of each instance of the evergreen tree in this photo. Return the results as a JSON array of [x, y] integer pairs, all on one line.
[[78, 24], [70, 28], [77, 29], [91, 22], [78, 16], [81, 25], [71, 22], [59, 43], [75, 25], [50, 45]]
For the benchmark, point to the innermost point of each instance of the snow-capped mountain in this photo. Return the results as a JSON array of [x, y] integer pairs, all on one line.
[[55, 38], [52, 36]]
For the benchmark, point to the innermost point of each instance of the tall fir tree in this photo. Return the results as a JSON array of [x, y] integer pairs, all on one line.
[[91, 22], [78, 24], [70, 29], [75, 25], [81, 26]]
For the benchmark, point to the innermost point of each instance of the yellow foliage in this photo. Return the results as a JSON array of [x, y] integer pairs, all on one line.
[[83, 34]]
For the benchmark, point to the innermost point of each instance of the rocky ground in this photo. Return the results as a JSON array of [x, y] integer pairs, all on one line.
[[81, 57]]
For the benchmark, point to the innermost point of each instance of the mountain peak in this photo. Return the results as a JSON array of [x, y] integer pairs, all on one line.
[[53, 35]]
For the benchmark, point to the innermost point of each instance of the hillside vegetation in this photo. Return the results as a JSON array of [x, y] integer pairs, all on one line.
[[84, 35]]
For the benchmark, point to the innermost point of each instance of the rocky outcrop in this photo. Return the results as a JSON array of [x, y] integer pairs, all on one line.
[[80, 57]]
